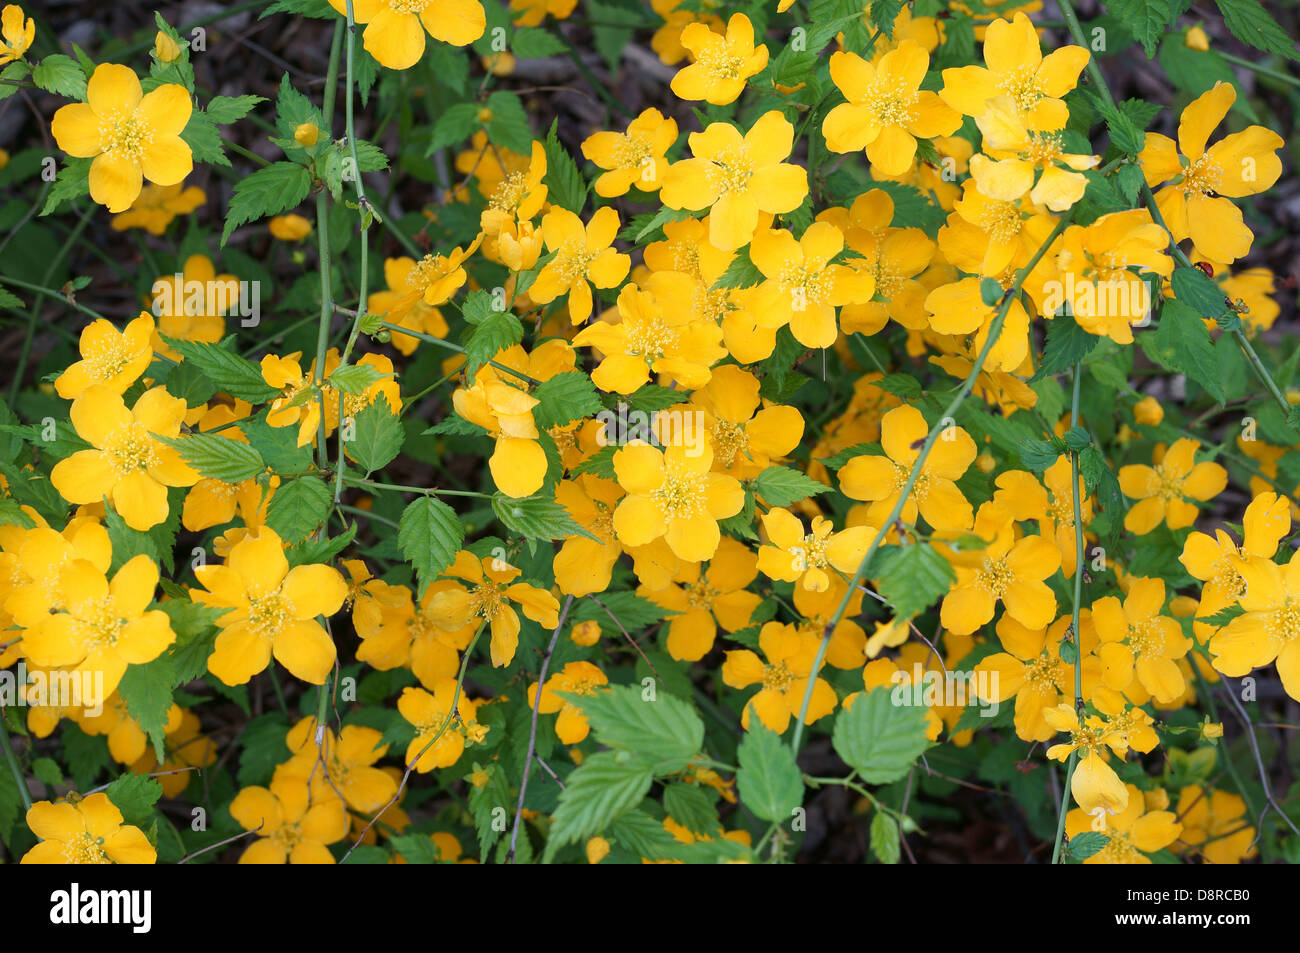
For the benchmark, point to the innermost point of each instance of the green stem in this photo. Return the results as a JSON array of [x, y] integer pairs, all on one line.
[[427, 491], [1074, 616], [1076, 31], [995, 330], [12, 760], [459, 350], [323, 242], [1261, 70]]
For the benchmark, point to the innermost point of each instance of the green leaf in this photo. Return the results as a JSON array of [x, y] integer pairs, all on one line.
[[147, 691], [135, 795], [495, 332], [688, 805], [530, 43], [1249, 22], [741, 273], [914, 579], [235, 375], [354, 378], [536, 517], [879, 739], [378, 436], [11, 514], [662, 730], [72, 182], [218, 457], [1181, 342], [563, 399], [1038, 454], [1125, 134], [299, 508], [455, 124], [565, 186], [884, 838], [268, 191], [1082, 846], [224, 110], [262, 747], [429, 534], [990, 291], [509, 123], [1198, 291], [604, 786], [1146, 19], [60, 74], [490, 805], [1099, 478], [769, 780], [203, 138], [782, 486]]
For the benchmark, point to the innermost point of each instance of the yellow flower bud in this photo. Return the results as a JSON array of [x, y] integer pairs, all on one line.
[[1211, 730], [499, 64], [985, 462], [485, 115], [4, 158], [597, 850], [1196, 39], [165, 48], [586, 633], [289, 228], [1183, 606], [306, 135], [479, 778], [1148, 412]]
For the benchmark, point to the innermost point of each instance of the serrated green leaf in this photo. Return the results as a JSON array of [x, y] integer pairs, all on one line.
[[218, 457], [879, 739], [768, 778], [299, 508], [429, 534]]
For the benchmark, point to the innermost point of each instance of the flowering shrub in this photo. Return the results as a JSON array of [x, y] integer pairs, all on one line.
[[612, 432]]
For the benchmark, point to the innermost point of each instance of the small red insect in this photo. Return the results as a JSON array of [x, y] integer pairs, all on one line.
[[1206, 267]]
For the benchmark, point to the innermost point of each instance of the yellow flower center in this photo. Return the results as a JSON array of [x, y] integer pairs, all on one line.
[[486, 599], [509, 193], [730, 171], [806, 283], [124, 134], [1044, 148], [719, 62], [712, 304], [99, 623], [1144, 638], [1118, 850], [268, 613], [1043, 674], [892, 102], [1224, 573], [84, 849], [108, 360], [778, 677], [700, 595], [414, 7], [889, 281], [812, 549], [994, 577], [682, 493], [1001, 221], [1284, 623], [729, 439], [632, 152], [1023, 86], [427, 270], [1201, 177], [287, 836], [129, 449], [1168, 485], [649, 340], [572, 259], [686, 258]]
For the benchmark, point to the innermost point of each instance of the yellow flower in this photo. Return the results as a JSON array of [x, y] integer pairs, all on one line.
[[672, 493], [518, 195], [16, 35], [792, 555], [584, 565], [1137, 641], [290, 228], [576, 678], [165, 48], [518, 463], [634, 157], [880, 478], [111, 358], [1269, 630], [1196, 202], [886, 110], [270, 609], [130, 135], [192, 307], [597, 850], [748, 433], [397, 631], [1015, 67], [1031, 670], [429, 714], [655, 336], [705, 599], [802, 289], [1214, 826], [291, 826], [1095, 785], [1095, 264], [1015, 153], [489, 598], [720, 63], [1148, 412], [298, 403], [349, 764], [737, 177], [1215, 559], [105, 626], [395, 29], [1165, 491], [535, 11], [1132, 833], [1006, 569], [128, 464], [402, 303], [1053, 509], [784, 677], [584, 256], [157, 206], [87, 832]]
